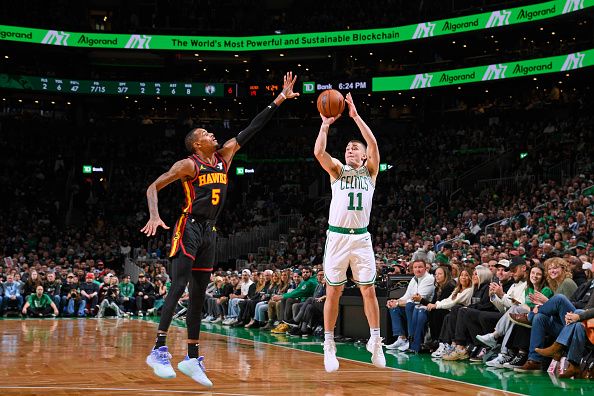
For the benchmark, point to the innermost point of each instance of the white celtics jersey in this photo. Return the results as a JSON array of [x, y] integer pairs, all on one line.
[[352, 194]]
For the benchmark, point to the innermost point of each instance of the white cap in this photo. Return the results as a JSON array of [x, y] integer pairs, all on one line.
[[504, 263], [587, 266], [246, 271]]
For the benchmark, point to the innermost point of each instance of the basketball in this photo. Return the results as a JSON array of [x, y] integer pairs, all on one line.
[[330, 103]]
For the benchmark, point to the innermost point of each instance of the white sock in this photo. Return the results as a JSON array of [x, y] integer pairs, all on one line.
[[328, 336], [374, 332]]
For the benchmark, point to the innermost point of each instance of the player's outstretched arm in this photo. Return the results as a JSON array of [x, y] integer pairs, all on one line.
[[232, 145], [329, 163], [373, 155], [181, 169]]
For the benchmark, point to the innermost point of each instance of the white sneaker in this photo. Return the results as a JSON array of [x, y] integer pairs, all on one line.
[[216, 320], [487, 339], [194, 368], [228, 321], [374, 345], [499, 361], [397, 343], [439, 351], [208, 318], [159, 360], [404, 346], [330, 361]]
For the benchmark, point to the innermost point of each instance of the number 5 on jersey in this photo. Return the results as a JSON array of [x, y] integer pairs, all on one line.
[[216, 196]]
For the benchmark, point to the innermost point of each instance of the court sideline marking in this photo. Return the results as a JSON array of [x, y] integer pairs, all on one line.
[[352, 360], [125, 390]]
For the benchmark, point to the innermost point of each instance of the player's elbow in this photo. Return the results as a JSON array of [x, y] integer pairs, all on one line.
[[318, 152]]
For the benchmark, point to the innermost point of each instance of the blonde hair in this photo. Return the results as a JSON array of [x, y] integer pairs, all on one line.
[[557, 262], [484, 274]]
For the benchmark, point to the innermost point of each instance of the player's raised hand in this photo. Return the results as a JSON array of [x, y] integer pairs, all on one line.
[[352, 108], [329, 120], [288, 84], [152, 225]]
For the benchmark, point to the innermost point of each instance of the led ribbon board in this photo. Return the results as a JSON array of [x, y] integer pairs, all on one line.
[[487, 20], [496, 71], [98, 87]]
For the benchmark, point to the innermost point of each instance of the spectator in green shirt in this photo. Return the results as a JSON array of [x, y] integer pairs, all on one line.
[[127, 299], [39, 305]]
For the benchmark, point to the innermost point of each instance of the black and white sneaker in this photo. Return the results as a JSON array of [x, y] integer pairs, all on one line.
[[517, 361]]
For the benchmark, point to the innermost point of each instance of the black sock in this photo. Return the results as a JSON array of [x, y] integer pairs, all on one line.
[[161, 340], [193, 350]]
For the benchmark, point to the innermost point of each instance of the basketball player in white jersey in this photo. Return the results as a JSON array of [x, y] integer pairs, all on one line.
[[348, 243]]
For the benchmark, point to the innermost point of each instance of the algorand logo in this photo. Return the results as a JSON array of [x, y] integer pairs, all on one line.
[[498, 18], [422, 81], [139, 41], [53, 37], [424, 29], [573, 5], [495, 72], [573, 61]]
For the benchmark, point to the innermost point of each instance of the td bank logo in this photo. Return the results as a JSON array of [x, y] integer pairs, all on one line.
[[309, 87], [573, 5], [573, 61], [139, 41], [53, 37], [424, 30], [498, 18], [495, 72], [422, 81]]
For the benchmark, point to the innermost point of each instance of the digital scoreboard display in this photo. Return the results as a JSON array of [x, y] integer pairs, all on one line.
[[110, 87]]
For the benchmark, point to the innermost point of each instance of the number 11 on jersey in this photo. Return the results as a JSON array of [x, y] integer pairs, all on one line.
[[352, 201]]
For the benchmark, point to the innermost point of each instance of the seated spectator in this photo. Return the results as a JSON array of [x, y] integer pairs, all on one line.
[[160, 294], [111, 298], [263, 294], [247, 289], [40, 305], [127, 292], [210, 303], [13, 301], [311, 312], [422, 285], [52, 287], [275, 306], [89, 291], [71, 300], [145, 295], [301, 293], [444, 286], [31, 284]]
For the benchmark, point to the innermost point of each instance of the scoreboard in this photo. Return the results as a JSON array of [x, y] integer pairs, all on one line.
[[110, 87]]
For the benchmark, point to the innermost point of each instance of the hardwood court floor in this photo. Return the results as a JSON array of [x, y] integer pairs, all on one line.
[[106, 357]]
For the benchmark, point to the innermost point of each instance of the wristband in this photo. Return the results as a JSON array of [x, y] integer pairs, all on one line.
[[283, 95]]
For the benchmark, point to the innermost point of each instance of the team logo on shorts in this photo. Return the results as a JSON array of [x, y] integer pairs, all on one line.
[[177, 235]]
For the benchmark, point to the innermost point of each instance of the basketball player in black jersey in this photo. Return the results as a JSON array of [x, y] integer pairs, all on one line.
[[204, 180]]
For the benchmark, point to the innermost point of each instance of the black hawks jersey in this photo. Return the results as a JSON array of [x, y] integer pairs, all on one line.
[[205, 193]]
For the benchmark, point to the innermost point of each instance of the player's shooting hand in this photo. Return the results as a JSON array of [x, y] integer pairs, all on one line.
[[152, 225], [329, 120], [288, 84], [352, 109]]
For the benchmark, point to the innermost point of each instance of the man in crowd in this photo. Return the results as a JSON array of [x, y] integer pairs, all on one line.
[[40, 305]]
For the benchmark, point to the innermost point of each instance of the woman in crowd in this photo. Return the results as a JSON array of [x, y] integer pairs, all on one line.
[[451, 330], [262, 306], [274, 307], [160, 294], [32, 283]]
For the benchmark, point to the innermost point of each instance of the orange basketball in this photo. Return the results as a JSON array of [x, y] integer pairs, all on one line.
[[330, 103]]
